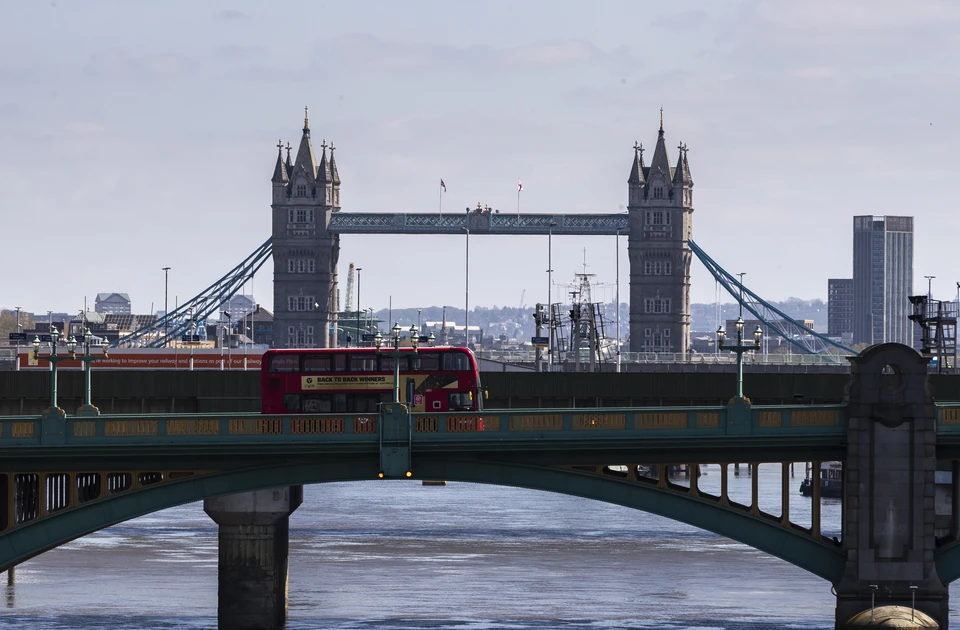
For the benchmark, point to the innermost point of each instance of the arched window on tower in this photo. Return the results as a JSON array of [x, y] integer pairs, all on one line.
[[301, 190]]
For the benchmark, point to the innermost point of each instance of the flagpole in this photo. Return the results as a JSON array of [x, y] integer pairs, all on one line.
[[440, 188], [519, 188]]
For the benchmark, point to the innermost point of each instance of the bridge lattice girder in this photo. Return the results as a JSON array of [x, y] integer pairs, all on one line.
[[479, 223], [66, 477], [767, 534]]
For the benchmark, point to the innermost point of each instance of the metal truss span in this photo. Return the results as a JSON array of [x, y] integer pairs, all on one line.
[[57, 515], [776, 321], [479, 222]]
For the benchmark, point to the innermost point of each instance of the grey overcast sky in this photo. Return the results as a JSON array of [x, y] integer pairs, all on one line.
[[138, 135]]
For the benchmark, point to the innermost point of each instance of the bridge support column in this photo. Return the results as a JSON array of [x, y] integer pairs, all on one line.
[[253, 544], [889, 515]]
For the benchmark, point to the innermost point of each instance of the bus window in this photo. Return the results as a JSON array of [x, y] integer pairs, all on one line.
[[455, 362], [425, 361], [387, 363], [339, 362], [285, 363], [364, 403], [316, 404], [459, 401], [316, 363], [363, 362], [291, 402]]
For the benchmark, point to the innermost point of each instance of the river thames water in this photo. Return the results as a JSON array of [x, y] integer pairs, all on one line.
[[396, 554]]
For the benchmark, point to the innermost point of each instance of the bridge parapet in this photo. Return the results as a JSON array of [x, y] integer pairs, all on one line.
[[543, 426]]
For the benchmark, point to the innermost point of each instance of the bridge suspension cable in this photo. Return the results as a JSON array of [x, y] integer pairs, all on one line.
[[192, 315], [775, 320]]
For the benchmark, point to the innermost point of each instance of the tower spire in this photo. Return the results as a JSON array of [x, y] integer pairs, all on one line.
[[334, 175], [306, 159], [323, 171], [636, 169], [306, 118], [660, 161], [681, 174], [280, 170]]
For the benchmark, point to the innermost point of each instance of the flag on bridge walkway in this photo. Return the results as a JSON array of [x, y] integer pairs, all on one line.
[[442, 185]]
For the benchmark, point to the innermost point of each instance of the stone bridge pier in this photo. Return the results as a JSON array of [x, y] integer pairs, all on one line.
[[888, 511], [253, 560]]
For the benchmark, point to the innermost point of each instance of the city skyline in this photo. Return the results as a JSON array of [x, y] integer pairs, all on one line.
[[152, 145]]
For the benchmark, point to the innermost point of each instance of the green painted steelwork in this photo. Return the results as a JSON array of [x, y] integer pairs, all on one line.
[[518, 447], [819, 558], [948, 563], [801, 427]]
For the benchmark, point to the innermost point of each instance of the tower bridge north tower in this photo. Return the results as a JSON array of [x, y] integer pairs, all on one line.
[[660, 211]]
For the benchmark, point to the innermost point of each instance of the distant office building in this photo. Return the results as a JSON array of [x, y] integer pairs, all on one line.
[[882, 279], [238, 307], [840, 307], [112, 303]]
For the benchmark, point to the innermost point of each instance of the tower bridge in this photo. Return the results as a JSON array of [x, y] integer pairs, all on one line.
[[308, 221]]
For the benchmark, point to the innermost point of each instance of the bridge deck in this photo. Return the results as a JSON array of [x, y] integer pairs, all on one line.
[[479, 223]]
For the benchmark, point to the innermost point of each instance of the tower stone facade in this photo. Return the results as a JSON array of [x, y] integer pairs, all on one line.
[[305, 254], [660, 211]]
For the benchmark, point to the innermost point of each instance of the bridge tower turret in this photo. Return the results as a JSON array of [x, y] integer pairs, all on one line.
[[660, 207], [305, 193]]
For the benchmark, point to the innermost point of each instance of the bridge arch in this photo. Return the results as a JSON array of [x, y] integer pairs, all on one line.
[[765, 535]]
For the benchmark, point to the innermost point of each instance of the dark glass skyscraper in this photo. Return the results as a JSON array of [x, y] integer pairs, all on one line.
[[839, 307], [882, 279]]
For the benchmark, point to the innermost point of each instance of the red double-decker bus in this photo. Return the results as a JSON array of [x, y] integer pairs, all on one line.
[[357, 380]]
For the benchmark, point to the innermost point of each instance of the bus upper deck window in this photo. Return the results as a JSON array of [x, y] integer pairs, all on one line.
[[363, 362], [316, 363], [285, 363], [428, 361], [455, 362]]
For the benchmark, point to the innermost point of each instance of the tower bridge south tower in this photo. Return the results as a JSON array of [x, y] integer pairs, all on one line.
[[305, 252]]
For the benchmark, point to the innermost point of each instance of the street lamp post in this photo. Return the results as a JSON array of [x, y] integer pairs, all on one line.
[[550, 294], [418, 320], [357, 340], [53, 358], [618, 299], [166, 312], [466, 286], [87, 409], [739, 348], [958, 317], [378, 343], [16, 364]]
